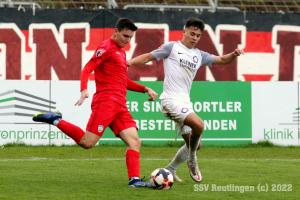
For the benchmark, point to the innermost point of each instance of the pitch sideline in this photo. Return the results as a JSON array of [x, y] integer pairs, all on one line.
[[153, 159]]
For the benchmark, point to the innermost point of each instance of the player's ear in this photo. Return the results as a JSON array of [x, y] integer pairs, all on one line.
[[115, 31]]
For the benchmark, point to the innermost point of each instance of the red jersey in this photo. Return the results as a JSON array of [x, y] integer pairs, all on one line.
[[110, 69]]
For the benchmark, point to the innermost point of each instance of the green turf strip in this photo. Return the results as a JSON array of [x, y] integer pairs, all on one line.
[[50, 172]]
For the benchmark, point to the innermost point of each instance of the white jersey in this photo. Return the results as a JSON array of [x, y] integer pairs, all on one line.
[[181, 65]]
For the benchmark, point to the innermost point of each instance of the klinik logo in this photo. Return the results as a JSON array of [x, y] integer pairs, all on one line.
[[284, 133], [17, 107]]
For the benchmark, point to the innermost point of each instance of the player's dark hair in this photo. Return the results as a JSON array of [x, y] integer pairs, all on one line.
[[125, 23], [195, 22]]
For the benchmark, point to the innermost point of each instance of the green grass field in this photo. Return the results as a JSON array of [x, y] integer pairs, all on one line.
[[49, 172]]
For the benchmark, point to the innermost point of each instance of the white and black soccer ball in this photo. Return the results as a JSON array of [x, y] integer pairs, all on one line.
[[161, 178]]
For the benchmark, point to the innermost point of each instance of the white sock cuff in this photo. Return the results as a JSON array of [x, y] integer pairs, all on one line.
[[133, 178], [55, 122], [170, 168]]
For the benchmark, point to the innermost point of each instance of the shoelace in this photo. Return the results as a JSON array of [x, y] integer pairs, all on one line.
[[193, 168], [56, 112]]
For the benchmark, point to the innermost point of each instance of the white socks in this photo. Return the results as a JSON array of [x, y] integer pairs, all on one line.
[[180, 157], [184, 153], [55, 122]]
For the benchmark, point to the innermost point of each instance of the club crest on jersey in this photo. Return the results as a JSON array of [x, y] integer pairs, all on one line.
[[100, 52], [184, 110], [158, 48], [195, 59], [100, 128]]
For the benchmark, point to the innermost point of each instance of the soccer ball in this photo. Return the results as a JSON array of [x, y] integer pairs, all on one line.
[[161, 179]]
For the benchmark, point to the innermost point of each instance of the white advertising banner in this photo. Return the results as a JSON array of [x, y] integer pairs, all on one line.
[[20, 100], [275, 112]]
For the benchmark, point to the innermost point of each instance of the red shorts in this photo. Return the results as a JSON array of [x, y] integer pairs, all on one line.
[[109, 113]]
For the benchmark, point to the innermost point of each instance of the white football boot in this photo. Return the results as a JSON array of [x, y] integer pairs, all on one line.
[[194, 171]]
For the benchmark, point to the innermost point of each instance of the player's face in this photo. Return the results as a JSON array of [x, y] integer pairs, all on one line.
[[191, 37], [123, 37]]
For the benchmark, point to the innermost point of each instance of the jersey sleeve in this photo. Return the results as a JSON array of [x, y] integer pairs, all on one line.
[[102, 53], [207, 59], [85, 73], [163, 51], [133, 86]]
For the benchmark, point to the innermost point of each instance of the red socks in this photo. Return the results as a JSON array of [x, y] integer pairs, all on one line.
[[71, 130], [133, 163]]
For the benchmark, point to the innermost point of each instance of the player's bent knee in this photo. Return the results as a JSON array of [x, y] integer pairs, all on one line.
[[198, 130], [138, 143], [135, 144], [86, 145], [200, 127], [89, 140]]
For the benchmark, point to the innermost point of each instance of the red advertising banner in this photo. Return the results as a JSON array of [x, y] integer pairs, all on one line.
[[56, 44]]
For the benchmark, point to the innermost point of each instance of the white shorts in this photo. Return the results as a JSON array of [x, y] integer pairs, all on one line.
[[177, 111]]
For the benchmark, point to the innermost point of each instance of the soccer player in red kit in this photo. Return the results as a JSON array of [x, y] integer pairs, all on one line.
[[109, 102]]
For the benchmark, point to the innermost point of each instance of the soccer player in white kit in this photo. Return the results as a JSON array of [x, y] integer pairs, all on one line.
[[181, 62]]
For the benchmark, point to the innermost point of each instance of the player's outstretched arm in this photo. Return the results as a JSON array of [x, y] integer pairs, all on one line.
[[152, 94], [84, 94], [133, 86], [228, 58], [85, 73], [140, 60]]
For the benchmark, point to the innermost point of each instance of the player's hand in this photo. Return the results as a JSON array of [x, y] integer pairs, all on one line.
[[128, 63], [153, 95], [238, 52], [84, 94]]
